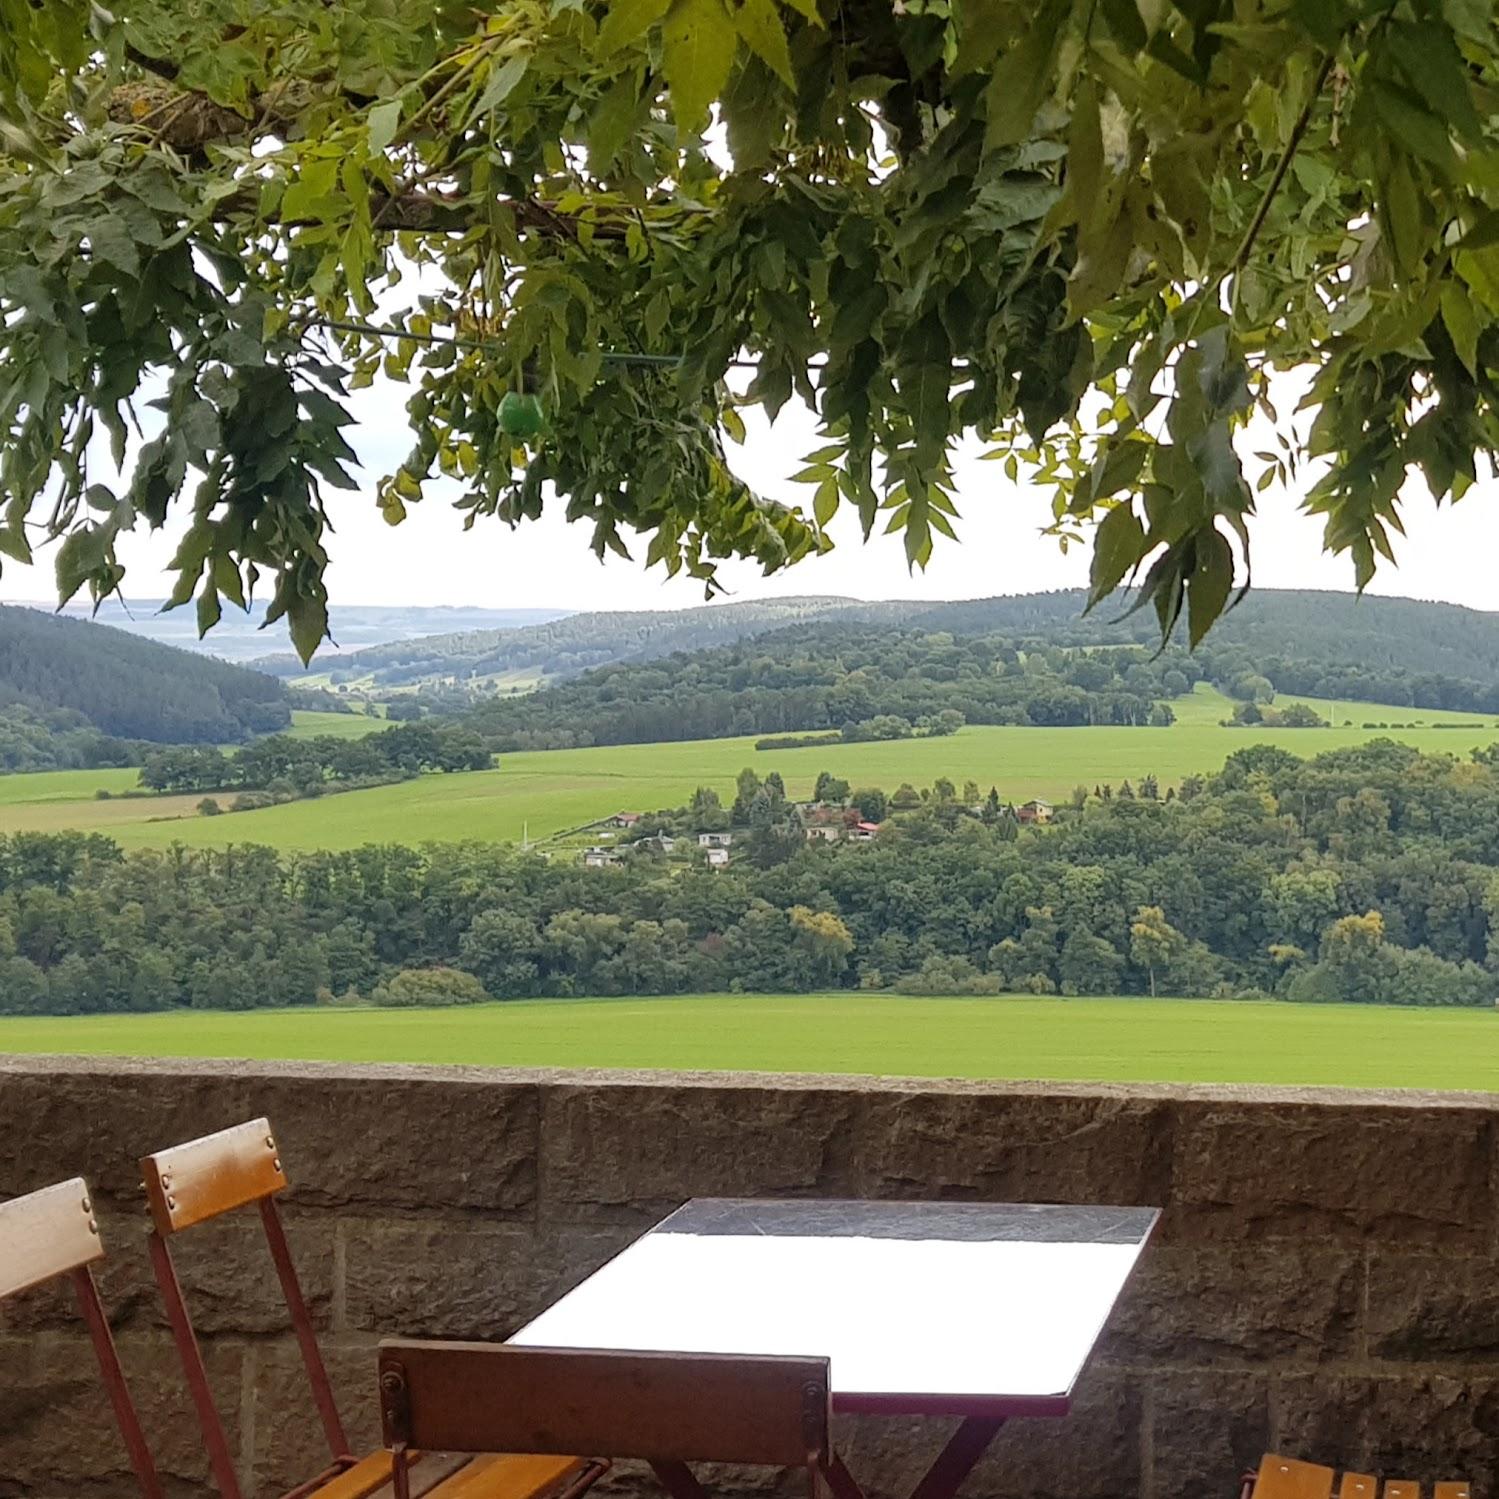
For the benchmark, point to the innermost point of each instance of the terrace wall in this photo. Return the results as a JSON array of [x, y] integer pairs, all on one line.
[[1325, 1281]]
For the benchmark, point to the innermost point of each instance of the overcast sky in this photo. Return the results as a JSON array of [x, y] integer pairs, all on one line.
[[429, 560]]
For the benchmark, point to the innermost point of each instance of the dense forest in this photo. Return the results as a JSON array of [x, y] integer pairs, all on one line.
[[1363, 874], [868, 681], [129, 688]]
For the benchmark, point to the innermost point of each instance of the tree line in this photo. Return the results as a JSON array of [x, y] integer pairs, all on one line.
[[306, 767], [1362, 874]]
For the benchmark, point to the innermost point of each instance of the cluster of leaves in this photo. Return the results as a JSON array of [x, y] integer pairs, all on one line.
[[1087, 231]]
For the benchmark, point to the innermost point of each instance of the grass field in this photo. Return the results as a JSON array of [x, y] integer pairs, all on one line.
[[542, 792], [308, 723], [1130, 1040]]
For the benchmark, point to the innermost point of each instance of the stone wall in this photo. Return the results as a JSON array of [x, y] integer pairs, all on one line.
[[1325, 1280]]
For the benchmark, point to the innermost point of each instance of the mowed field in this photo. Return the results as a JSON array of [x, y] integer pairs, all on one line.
[[1131, 1040], [539, 793]]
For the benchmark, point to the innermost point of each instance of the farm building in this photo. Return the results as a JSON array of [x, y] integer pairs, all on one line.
[[1034, 812]]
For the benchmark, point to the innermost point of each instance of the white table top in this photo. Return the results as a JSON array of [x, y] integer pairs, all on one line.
[[922, 1307]]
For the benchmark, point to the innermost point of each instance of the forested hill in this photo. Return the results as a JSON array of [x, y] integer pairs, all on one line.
[[1372, 634], [1319, 643], [565, 647], [128, 687], [862, 681]]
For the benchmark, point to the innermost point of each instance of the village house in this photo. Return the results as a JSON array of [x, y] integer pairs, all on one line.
[[626, 820], [714, 840], [599, 858], [863, 832], [718, 858], [1035, 811]]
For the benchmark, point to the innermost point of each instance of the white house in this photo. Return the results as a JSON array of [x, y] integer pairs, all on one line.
[[717, 858], [714, 840], [599, 858]]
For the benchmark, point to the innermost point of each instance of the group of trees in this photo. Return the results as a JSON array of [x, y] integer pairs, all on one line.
[[866, 681], [305, 767], [1369, 873]]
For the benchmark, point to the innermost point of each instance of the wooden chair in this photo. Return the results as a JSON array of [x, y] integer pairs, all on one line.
[[53, 1233], [665, 1409], [1286, 1478], [192, 1183]]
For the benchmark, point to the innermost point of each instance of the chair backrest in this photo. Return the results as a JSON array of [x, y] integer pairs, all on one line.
[[53, 1233], [190, 1184], [663, 1408]]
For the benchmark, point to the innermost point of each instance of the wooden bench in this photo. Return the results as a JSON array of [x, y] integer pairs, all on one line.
[[53, 1233], [1286, 1478], [239, 1168]]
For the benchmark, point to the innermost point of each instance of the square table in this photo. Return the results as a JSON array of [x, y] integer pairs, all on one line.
[[981, 1311]]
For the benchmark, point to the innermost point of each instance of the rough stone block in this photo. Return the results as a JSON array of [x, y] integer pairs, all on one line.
[[998, 1146], [1211, 1304], [635, 1151], [56, 1426], [391, 1138], [1205, 1431], [1418, 1176], [283, 1440], [1433, 1308], [1427, 1427]]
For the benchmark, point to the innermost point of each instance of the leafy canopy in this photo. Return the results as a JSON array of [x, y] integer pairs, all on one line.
[[1085, 230]]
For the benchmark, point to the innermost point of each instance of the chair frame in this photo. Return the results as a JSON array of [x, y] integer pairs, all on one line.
[[55, 1234], [665, 1409], [201, 1180]]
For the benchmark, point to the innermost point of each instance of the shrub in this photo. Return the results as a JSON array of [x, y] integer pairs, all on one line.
[[208, 807], [430, 986]]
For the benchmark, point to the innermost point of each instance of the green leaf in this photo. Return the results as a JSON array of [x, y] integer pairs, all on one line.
[[1462, 324], [109, 239], [825, 502], [502, 81], [698, 44], [1426, 53], [758, 22], [383, 121], [1403, 217], [209, 610], [1022, 79], [629, 19], [611, 121], [1208, 585], [1118, 545]]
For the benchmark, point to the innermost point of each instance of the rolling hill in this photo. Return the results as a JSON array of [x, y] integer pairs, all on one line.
[[1358, 641], [131, 688]]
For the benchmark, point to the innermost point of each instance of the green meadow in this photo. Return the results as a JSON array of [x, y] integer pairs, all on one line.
[[1128, 1040], [540, 793]]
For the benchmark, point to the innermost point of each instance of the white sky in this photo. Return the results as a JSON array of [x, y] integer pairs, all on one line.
[[429, 560]]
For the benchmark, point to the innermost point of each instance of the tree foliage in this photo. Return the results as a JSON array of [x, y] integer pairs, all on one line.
[[1086, 232]]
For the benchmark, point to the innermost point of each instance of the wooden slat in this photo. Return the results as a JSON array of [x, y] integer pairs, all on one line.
[[1285, 1478], [1458, 1488], [660, 1407], [427, 1472], [1358, 1486], [511, 1476], [360, 1481], [1401, 1488], [45, 1234], [203, 1178]]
